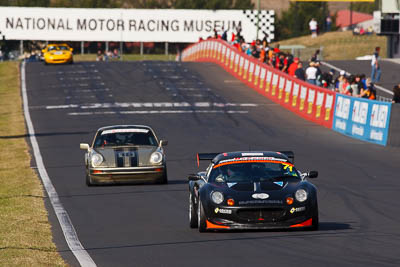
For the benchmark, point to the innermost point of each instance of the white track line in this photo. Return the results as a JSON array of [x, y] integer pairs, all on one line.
[[338, 69], [68, 229], [158, 112]]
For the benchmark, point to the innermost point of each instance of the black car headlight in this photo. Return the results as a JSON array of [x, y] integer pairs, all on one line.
[[217, 197], [96, 159], [301, 195], [156, 158]]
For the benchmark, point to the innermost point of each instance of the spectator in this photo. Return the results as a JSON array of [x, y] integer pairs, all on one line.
[[316, 57], [311, 73], [299, 73], [224, 35], [346, 88], [99, 56], [327, 78], [254, 51], [1, 55], [319, 73], [313, 27], [396, 96], [370, 91], [339, 81], [293, 67], [328, 22], [376, 68]]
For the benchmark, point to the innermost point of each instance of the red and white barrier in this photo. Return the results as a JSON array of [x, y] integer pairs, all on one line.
[[308, 101]]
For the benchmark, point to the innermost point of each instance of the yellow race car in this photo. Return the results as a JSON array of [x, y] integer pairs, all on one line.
[[57, 54]]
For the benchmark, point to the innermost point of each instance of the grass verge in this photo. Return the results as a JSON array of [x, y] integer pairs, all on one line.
[[341, 45], [25, 232], [127, 57]]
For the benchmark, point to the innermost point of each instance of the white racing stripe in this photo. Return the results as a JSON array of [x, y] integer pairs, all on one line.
[[68, 229], [159, 112], [150, 105]]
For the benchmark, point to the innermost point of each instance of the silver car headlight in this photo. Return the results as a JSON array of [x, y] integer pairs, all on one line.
[[156, 157], [301, 195], [96, 159], [217, 197]]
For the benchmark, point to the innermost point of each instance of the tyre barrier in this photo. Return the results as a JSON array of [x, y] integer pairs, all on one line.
[[369, 120]]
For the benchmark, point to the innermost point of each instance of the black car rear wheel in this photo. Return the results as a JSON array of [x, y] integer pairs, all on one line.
[[201, 218], [193, 220]]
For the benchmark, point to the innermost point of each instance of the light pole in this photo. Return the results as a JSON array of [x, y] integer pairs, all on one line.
[[258, 18]]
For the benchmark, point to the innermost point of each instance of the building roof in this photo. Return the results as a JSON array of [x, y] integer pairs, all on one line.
[[343, 18]]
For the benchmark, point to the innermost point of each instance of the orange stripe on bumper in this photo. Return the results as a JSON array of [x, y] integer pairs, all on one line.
[[306, 223], [215, 226]]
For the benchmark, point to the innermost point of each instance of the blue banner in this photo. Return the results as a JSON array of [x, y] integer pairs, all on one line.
[[361, 118]]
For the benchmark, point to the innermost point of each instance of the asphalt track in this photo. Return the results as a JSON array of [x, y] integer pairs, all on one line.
[[147, 225]]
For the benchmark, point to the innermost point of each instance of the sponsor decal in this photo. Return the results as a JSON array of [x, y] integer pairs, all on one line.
[[275, 80], [258, 201], [279, 183], [231, 184], [126, 154], [223, 211], [296, 88], [252, 154], [376, 135], [288, 89], [124, 131], [360, 112], [342, 107], [320, 100], [379, 115], [303, 94], [260, 196], [341, 124], [357, 130], [299, 209]]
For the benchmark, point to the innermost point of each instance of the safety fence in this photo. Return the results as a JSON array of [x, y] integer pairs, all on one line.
[[311, 102]]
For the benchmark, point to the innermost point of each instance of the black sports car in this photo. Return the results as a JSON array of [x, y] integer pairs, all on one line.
[[252, 190], [125, 153]]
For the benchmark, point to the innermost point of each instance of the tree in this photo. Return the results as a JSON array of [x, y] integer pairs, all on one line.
[[294, 22], [366, 7]]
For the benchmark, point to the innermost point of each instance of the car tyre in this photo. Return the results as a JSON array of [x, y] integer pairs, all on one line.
[[164, 178], [193, 221], [201, 218], [89, 181], [315, 220]]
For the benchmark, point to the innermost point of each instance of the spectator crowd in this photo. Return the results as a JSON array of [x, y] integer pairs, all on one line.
[[353, 85]]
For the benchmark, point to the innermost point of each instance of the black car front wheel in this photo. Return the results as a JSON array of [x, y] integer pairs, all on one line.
[[315, 220], [201, 218], [193, 220]]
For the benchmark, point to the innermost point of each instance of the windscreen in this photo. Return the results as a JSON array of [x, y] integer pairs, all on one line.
[[125, 137], [252, 171], [63, 47]]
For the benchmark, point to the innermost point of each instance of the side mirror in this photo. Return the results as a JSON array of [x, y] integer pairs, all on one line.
[[312, 174], [163, 142], [43, 50], [84, 146], [193, 177], [71, 49]]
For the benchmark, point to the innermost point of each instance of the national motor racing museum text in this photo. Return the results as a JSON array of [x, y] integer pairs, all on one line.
[[57, 24]]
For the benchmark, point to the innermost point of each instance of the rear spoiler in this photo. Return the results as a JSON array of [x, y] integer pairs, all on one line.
[[205, 156], [289, 154]]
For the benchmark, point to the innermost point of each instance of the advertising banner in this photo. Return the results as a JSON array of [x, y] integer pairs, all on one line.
[[129, 25], [360, 118]]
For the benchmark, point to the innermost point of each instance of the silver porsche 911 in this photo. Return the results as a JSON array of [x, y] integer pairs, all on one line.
[[125, 154]]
